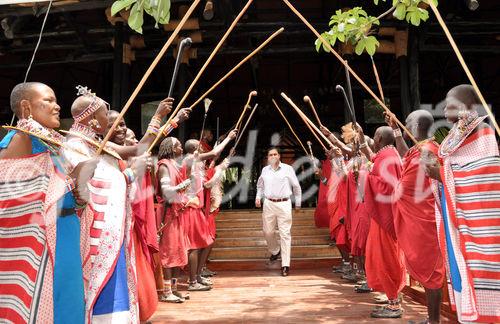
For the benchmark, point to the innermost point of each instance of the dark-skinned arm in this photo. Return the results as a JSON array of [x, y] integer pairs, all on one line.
[[219, 148], [400, 142]]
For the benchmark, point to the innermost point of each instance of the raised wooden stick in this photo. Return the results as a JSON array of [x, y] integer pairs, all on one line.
[[308, 121], [464, 65], [308, 100], [289, 126], [240, 135], [249, 56], [146, 75], [379, 84], [363, 84], [200, 72], [245, 108]]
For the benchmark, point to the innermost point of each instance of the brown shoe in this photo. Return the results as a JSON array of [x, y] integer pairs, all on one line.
[[285, 271]]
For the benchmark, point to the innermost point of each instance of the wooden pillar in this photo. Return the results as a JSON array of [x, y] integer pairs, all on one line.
[[413, 49], [401, 42], [117, 66]]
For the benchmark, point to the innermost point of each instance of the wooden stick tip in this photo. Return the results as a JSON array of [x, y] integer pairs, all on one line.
[[253, 93], [281, 29], [309, 143], [307, 99]]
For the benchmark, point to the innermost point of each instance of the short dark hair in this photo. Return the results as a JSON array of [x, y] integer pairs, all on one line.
[[166, 150], [21, 91], [274, 148]]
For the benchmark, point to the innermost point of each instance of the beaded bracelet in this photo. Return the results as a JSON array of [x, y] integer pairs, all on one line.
[[397, 132], [129, 175], [167, 130], [70, 183]]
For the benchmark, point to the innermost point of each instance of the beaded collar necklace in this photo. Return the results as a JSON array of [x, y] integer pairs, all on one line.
[[459, 132]]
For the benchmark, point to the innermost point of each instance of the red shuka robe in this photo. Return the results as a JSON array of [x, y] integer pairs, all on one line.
[[174, 242], [195, 221], [321, 215], [146, 244], [358, 220], [336, 199], [415, 221], [385, 270]]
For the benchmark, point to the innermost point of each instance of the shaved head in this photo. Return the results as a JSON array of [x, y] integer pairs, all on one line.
[[113, 114], [80, 104], [419, 123], [460, 98], [383, 136], [23, 91], [191, 146], [466, 94]]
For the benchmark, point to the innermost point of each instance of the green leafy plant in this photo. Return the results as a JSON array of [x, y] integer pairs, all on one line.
[[158, 9], [356, 26]]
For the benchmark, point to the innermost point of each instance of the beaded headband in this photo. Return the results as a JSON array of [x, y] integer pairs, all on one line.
[[92, 107]]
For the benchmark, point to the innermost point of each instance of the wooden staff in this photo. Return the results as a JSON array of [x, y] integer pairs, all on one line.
[[247, 107], [191, 86], [276, 33], [363, 84], [308, 100], [308, 121], [146, 75], [309, 144], [244, 127], [464, 65], [185, 44], [379, 84], [289, 126], [207, 107]]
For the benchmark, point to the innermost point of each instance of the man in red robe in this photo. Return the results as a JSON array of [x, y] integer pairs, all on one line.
[[385, 270], [197, 225], [414, 214], [321, 216], [466, 181]]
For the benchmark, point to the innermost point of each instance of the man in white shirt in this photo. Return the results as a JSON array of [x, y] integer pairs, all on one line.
[[276, 185]]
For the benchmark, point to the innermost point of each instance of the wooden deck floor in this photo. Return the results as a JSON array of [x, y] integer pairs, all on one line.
[[306, 296]]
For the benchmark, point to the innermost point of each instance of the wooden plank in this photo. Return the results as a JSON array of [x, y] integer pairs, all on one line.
[[306, 296]]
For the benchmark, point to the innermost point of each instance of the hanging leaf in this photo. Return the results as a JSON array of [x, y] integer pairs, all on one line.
[[121, 5], [158, 9], [400, 11], [356, 26], [360, 46], [136, 18], [371, 45]]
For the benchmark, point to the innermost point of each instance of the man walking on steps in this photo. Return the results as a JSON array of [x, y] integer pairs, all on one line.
[[276, 184]]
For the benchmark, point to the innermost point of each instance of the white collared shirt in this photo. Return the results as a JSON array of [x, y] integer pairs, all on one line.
[[279, 183]]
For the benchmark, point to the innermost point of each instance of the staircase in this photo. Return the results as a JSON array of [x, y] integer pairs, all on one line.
[[240, 243]]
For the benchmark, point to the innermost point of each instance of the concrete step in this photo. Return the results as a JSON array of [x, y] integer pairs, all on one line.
[[259, 241], [300, 251], [254, 232], [257, 222]]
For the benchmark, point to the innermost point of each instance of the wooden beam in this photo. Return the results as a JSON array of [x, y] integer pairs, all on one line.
[[191, 24]]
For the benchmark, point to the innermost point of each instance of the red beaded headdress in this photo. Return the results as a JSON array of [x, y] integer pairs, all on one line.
[[92, 107]]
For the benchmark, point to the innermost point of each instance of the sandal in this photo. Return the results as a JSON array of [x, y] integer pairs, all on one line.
[[171, 298]]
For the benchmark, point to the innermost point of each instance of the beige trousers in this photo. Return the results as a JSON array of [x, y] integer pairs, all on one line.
[[279, 213]]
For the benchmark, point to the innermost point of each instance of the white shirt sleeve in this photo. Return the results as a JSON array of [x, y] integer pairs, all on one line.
[[297, 191], [260, 187]]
